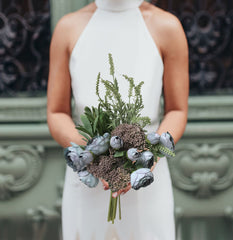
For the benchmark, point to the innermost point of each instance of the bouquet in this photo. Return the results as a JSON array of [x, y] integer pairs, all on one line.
[[118, 148]]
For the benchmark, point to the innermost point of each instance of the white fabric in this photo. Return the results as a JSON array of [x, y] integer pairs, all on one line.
[[147, 214], [117, 5]]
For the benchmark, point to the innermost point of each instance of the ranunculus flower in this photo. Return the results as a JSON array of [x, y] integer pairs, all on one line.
[[133, 154], [72, 154], [99, 145], [88, 179], [153, 137], [147, 159], [167, 141], [141, 178], [116, 142], [86, 157], [77, 158]]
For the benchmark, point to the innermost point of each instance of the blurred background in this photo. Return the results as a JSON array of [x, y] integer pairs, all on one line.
[[32, 166]]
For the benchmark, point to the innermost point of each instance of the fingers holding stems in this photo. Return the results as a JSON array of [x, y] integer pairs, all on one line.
[[105, 184], [124, 190], [121, 191], [116, 194]]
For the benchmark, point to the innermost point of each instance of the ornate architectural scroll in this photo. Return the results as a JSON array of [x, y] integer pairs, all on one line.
[[24, 44], [20, 169], [209, 27], [203, 169]]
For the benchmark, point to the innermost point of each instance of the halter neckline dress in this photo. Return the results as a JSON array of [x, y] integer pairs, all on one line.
[[118, 27]]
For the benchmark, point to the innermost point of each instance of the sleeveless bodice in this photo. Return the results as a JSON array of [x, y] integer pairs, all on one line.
[[117, 27]]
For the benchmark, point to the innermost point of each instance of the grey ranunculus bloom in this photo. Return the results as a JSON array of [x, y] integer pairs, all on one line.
[[153, 137], [77, 158], [133, 154], [147, 159], [86, 157], [99, 145], [72, 157], [141, 178], [88, 179], [167, 141], [116, 142]]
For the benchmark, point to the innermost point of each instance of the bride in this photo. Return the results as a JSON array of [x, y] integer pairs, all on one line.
[[149, 45]]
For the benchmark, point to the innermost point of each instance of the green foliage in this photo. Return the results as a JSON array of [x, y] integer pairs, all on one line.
[[119, 111], [165, 151], [130, 166], [112, 110], [159, 150], [95, 122], [119, 154]]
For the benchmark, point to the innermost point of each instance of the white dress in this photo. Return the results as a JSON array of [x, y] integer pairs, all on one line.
[[118, 27]]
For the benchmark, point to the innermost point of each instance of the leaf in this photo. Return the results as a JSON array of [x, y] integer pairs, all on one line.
[[81, 128], [119, 154], [95, 124], [85, 135], [160, 155], [87, 124], [128, 164], [139, 165], [165, 151], [87, 111]]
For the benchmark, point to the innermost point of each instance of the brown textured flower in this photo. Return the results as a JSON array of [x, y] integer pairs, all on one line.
[[118, 179], [132, 135], [111, 170], [104, 165]]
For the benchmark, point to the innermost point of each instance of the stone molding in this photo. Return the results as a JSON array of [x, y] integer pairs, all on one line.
[[20, 169], [23, 109], [28, 110], [208, 108], [203, 169]]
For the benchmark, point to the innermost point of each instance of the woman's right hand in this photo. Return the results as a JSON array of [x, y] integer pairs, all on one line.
[[116, 194], [105, 184]]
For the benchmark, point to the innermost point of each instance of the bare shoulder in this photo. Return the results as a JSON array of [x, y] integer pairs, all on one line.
[[165, 27], [163, 21], [70, 26]]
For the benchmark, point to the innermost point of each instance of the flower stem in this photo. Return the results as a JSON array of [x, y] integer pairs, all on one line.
[[110, 208], [119, 207], [114, 207]]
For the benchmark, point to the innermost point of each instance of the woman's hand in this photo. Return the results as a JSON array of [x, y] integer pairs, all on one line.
[[116, 194]]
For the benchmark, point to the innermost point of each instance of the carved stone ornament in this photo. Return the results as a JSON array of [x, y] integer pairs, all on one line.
[[203, 169], [20, 169], [41, 213], [44, 214]]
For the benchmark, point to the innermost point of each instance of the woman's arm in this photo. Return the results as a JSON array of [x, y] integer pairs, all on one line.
[[61, 125], [174, 50]]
